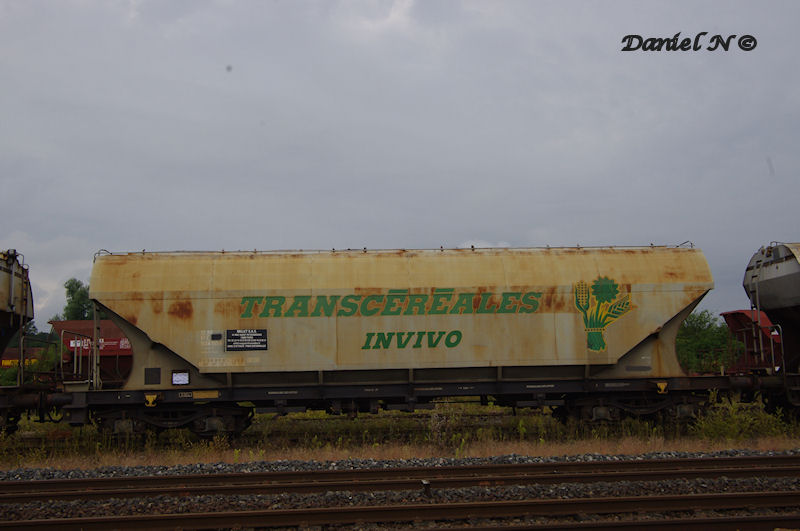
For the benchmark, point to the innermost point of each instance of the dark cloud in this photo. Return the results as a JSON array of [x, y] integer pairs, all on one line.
[[210, 125]]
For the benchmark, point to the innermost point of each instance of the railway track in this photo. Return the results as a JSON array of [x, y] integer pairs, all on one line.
[[429, 482], [460, 511], [397, 478]]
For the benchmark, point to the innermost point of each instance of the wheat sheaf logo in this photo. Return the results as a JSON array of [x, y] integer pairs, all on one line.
[[600, 308]]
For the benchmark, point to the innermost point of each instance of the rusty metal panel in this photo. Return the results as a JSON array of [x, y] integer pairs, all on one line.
[[772, 282], [408, 309], [16, 296]]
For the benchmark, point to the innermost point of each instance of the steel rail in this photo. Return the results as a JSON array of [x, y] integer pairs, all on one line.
[[434, 479], [758, 522], [560, 472], [422, 512]]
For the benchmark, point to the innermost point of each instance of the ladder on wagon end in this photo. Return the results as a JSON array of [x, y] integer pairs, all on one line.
[[94, 375]]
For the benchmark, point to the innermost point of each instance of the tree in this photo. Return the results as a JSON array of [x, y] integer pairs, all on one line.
[[703, 343], [33, 336], [78, 307]]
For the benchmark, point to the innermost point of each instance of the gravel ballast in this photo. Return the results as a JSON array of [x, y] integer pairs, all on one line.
[[210, 503], [27, 474]]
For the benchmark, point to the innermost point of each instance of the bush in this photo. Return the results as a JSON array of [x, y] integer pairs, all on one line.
[[731, 419], [45, 363], [704, 344], [8, 376]]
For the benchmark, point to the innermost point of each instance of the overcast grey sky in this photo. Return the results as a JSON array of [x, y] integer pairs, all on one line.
[[208, 125]]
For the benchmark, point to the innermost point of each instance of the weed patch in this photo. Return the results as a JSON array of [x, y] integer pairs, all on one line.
[[450, 429], [731, 419]]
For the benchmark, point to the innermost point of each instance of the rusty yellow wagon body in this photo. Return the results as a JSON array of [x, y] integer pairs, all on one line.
[[272, 318], [16, 296]]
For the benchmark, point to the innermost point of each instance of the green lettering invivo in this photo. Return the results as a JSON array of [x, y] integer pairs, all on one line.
[[403, 343], [418, 343], [431, 342], [368, 340], [383, 340], [453, 338]]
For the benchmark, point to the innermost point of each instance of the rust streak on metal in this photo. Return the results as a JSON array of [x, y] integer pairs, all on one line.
[[671, 275], [552, 301], [368, 291], [227, 307], [181, 309]]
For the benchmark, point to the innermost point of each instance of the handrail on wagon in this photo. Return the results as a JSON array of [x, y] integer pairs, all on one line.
[[688, 244], [99, 253], [777, 328], [77, 368]]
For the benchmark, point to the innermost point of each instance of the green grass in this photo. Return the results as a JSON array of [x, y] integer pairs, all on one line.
[[451, 429], [730, 419]]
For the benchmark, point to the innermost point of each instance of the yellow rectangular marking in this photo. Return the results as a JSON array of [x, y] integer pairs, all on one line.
[[205, 394]]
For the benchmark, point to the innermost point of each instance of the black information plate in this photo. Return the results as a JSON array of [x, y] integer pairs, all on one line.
[[240, 340]]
